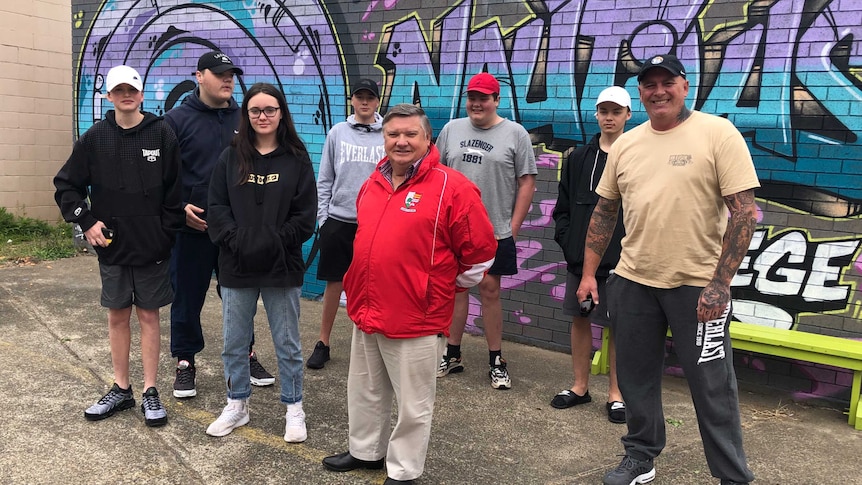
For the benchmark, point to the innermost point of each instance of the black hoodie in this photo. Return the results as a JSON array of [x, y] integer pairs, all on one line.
[[203, 133], [260, 225], [575, 203], [132, 179]]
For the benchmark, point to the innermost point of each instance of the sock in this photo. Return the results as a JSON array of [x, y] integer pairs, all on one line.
[[453, 351], [190, 360], [492, 356]]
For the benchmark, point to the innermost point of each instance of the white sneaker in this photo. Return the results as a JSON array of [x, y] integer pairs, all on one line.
[[234, 415], [294, 428]]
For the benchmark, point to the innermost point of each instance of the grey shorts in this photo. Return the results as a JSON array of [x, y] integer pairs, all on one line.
[[572, 307], [147, 287]]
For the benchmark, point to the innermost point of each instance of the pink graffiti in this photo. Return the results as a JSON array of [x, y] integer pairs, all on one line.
[[387, 4]]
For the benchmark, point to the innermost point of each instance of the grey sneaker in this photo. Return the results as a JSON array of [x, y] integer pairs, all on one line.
[[630, 472], [115, 400], [259, 376], [155, 413], [449, 365]]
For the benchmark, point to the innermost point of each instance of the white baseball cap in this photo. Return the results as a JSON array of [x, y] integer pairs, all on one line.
[[123, 75], [616, 95]]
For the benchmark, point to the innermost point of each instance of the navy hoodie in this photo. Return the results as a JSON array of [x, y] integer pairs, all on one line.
[[260, 225], [203, 133], [575, 203], [131, 177]]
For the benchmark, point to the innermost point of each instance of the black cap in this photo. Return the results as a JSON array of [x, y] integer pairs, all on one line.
[[668, 62], [217, 62], [366, 84]]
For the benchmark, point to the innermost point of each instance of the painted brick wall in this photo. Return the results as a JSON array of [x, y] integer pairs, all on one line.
[[787, 77], [35, 103]]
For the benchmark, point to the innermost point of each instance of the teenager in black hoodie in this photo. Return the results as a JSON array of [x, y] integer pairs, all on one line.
[[575, 203], [262, 206], [128, 166]]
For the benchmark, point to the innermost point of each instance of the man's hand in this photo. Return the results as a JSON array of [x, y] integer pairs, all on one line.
[[588, 286], [192, 219], [94, 235], [713, 301]]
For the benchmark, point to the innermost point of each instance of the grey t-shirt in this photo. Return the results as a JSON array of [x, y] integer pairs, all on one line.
[[494, 159]]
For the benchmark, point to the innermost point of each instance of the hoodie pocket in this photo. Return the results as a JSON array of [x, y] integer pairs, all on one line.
[[258, 249]]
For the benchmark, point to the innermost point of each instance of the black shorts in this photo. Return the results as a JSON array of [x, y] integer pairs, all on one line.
[[336, 249], [147, 287], [506, 259], [572, 307]]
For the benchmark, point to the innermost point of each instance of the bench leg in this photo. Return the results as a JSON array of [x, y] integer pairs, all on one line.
[[600, 364], [855, 414]]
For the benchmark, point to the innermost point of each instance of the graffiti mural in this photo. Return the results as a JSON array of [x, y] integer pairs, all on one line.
[[787, 73]]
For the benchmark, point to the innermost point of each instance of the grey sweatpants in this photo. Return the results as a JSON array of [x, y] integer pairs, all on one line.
[[640, 316]]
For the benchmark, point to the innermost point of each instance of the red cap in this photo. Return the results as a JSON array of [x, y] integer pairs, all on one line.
[[484, 83]]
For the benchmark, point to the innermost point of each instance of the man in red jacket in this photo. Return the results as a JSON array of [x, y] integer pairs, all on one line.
[[423, 234]]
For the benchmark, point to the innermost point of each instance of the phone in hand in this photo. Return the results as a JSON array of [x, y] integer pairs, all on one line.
[[587, 306], [109, 235]]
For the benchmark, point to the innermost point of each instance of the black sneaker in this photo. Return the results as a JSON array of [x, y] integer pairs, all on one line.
[[155, 413], [115, 400], [630, 472], [319, 357], [259, 376], [184, 384]]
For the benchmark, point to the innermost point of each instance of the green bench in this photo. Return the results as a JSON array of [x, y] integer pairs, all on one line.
[[803, 346]]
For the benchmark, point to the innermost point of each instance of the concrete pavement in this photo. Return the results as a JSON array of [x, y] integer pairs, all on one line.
[[54, 362]]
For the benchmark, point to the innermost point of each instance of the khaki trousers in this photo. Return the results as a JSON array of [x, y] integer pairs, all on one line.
[[380, 369]]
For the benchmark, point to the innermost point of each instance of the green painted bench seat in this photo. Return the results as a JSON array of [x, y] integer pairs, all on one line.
[[804, 346]]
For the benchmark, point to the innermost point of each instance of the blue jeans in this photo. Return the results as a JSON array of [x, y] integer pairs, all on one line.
[[239, 306]]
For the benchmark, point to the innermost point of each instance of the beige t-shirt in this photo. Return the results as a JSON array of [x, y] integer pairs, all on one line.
[[671, 184]]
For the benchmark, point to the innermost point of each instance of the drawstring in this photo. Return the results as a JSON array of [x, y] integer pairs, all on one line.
[[593, 173]]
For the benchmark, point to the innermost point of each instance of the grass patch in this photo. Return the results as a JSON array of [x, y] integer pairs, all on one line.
[[23, 239]]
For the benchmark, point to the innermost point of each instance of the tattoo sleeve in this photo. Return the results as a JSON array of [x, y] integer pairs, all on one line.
[[737, 237], [602, 224]]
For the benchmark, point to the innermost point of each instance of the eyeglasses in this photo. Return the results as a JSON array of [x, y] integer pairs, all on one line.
[[269, 111]]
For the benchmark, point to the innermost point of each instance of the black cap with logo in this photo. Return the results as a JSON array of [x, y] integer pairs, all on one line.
[[217, 62], [667, 62], [367, 85]]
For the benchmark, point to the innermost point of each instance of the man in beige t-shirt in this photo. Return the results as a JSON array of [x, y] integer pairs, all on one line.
[[676, 176]]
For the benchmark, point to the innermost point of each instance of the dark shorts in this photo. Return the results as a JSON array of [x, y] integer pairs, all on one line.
[[147, 287], [336, 249], [506, 259], [572, 307]]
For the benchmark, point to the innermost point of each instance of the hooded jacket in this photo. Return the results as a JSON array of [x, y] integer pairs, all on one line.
[[575, 203], [414, 248], [260, 225], [351, 152], [203, 133], [131, 177]]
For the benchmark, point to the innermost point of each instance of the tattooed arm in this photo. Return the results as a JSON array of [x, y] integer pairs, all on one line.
[[743, 218], [602, 224]]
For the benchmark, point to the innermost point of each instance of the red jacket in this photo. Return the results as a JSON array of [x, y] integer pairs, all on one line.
[[414, 247]]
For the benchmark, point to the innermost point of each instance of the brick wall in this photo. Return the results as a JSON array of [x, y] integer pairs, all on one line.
[[35, 103], [787, 77]]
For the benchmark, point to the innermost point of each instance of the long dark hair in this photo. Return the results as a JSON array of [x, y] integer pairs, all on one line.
[[286, 134]]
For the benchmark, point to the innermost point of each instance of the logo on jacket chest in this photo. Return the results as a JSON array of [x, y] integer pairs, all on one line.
[[151, 155], [411, 201]]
